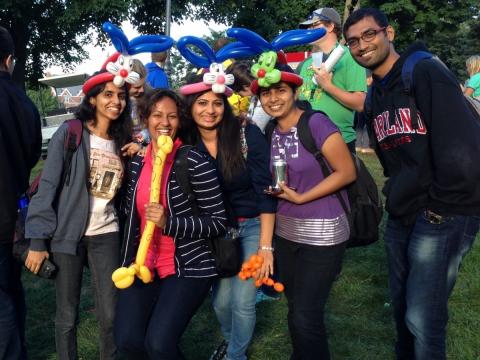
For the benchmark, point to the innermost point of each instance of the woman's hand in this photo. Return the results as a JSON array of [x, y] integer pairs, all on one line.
[[267, 266], [131, 149], [156, 213], [289, 194], [34, 260]]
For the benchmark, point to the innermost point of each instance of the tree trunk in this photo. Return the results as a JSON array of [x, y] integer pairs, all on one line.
[[346, 11], [350, 6]]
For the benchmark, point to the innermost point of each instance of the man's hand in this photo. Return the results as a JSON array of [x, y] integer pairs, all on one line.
[[35, 259], [323, 78]]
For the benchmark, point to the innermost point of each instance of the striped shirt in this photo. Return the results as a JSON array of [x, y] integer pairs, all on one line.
[[193, 257]]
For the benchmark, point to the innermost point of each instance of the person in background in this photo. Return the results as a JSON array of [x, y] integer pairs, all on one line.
[[74, 221], [338, 93], [20, 147], [151, 318], [241, 156], [472, 87], [156, 77], [432, 197], [244, 103], [140, 136], [311, 228]]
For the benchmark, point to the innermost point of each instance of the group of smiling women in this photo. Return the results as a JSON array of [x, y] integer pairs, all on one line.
[[97, 219]]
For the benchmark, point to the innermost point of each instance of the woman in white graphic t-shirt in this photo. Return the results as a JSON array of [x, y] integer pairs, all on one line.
[[72, 219]]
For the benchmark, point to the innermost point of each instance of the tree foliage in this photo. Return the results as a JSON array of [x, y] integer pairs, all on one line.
[[43, 99], [449, 28], [48, 32]]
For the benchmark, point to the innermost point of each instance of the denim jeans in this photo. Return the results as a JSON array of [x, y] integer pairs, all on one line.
[[423, 262], [234, 299], [102, 254], [12, 307], [151, 318], [307, 271]]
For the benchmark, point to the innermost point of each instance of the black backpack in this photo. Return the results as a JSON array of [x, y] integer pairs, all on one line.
[[366, 209]]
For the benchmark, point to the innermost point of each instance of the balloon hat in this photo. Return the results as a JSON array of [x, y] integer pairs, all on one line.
[[264, 70], [119, 65], [215, 79]]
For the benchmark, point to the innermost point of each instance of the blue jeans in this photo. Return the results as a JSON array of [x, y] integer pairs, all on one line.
[[308, 272], [423, 262], [101, 252], [151, 318], [12, 307], [234, 299]]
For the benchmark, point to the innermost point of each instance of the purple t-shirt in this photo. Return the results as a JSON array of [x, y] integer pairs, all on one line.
[[294, 222]]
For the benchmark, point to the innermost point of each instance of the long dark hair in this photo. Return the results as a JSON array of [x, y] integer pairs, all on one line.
[[146, 103], [228, 134], [119, 130]]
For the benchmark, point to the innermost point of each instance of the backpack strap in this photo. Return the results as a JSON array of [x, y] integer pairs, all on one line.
[[271, 124], [72, 141], [181, 173], [407, 79], [367, 105]]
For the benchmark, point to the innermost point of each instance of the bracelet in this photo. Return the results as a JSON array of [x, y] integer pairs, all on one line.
[[266, 248]]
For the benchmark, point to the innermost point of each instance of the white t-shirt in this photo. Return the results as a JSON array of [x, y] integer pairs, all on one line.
[[106, 173], [257, 114]]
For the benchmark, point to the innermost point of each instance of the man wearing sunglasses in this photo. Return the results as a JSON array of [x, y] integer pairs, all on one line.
[[337, 93], [433, 187], [20, 146]]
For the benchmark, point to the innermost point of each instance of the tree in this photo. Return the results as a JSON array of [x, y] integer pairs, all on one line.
[[266, 17], [449, 28], [47, 32], [44, 99]]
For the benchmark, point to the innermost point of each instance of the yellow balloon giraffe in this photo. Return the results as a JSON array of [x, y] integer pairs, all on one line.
[[124, 277]]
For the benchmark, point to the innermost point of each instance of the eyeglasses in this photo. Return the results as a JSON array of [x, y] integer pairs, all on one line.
[[366, 36]]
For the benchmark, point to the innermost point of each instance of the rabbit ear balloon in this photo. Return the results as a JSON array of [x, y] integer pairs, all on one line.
[[120, 64], [140, 44], [208, 55], [251, 41]]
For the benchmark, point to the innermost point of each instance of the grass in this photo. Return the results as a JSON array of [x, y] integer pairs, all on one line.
[[358, 317]]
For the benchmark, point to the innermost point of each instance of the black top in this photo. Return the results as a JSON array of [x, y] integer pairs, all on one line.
[[436, 165], [193, 257], [245, 192], [20, 147]]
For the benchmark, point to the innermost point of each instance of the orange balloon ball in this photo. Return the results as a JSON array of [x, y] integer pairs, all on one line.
[[278, 287]]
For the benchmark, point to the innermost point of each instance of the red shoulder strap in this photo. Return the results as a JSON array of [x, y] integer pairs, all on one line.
[[74, 134]]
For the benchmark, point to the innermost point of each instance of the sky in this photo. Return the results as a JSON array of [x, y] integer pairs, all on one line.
[[97, 55]]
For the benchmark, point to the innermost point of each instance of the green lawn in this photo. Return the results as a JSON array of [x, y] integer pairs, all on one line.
[[358, 316]]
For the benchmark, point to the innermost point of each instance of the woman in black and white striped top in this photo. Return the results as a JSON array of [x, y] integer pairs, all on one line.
[[152, 317]]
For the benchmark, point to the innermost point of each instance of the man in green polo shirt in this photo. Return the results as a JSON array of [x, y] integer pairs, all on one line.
[[338, 93]]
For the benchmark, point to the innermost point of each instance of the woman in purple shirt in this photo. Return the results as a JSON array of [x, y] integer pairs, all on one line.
[[311, 227]]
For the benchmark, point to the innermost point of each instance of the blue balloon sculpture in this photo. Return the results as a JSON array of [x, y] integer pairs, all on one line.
[[140, 44]]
